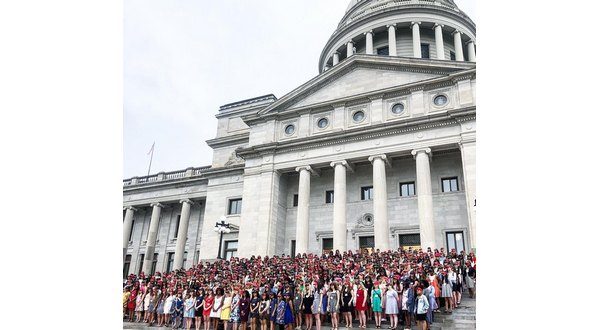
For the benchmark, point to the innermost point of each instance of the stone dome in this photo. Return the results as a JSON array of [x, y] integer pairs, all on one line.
[[375, 16]]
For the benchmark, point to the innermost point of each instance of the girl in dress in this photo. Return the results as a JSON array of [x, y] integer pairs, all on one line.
[[272, 307], [139, 307], [235, 309], [447, 295], [245, 309], [289, 312], [160, 309], [391, 306], [152, 306], [189, 310], [254, 302], [316, 308], [333, 304], [361, 305], [147, 299], [199, 307], [346, 308], [307, 302], [207, 309], [297, 307], [226, 310], [279, 312], [324, 300], [215, 313], [376, 304], [263, 311]]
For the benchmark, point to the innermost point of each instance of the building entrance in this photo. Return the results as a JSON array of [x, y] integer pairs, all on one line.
[[366, 243]]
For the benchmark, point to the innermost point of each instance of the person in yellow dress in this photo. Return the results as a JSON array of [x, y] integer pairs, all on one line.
[[226, 310]]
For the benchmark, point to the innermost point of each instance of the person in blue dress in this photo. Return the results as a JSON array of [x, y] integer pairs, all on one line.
[[272, 306], [279, 311], [289, 312]]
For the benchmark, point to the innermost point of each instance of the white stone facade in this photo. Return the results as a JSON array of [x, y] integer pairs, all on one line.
[[377, 120]]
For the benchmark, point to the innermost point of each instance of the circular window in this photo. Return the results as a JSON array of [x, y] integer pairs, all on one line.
[[290, 129], [358, 116], [440, 100], [323, 122], [398, 108]]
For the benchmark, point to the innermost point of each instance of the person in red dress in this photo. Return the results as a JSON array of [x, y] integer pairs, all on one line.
[[208, 305], [361, 305]]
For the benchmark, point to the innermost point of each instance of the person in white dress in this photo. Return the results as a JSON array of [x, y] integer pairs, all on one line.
[[215, 313], [391, 306]]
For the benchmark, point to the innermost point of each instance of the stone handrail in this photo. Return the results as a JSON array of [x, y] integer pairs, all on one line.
[[166, 176]]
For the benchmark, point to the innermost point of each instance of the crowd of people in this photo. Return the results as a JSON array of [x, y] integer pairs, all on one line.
[[403, 287]]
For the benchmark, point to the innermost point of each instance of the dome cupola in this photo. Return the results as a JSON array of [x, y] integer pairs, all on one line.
[[428, 29]]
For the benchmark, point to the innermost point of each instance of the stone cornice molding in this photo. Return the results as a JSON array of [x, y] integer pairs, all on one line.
[[312, 171], [348, 166], [186, 200], [228, 140], [383, 157], [415, 152], [441, 119], [324, 234]]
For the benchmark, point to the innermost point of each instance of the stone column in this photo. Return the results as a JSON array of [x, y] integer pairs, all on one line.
[[336, 58], [439, 42], [184, 221], [339, 205], [127, 225], [468, 149], [303, 209], [416, 33], [349, 49], [152, 234], [424, 198], [392, 48], [471, 50], [380, 219], [369, 41], [458, 50]]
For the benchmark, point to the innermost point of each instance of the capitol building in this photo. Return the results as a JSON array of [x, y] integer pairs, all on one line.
[[375, 152]]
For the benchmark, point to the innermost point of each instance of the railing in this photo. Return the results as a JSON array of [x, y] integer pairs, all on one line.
[[166, 176]]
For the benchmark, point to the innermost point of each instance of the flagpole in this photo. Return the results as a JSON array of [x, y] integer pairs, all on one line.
[[151, 155]]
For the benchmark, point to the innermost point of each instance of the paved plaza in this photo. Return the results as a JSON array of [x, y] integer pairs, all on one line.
[[461, 318]]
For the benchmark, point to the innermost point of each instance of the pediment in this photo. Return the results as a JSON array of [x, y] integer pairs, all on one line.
[[360, 75]]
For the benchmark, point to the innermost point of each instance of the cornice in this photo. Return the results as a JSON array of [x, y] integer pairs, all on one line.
[[164, 184], [451, 117], [225, 141]]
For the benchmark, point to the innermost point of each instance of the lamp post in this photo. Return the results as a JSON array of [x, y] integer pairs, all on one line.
[[221, 228]]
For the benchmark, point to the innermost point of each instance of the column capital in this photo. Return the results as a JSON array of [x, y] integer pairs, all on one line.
[[344, 163], [438, 24], [186, 200], [130, 208], [157, 204], [391, 25], [456, 31], [309, 169], [383, 157], [370, 31], [336, 53], [419, 150], [350, 42], [471, 41], [413, 23]]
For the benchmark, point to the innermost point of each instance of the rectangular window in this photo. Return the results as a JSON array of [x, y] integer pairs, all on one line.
[[293, 248], [450, 184], [170, 261], [131, 231], [141, 263], [126, 265], [366, 193], [455, 240], [366, 243], [295, 202], [177, 226], [235, 206], [424, 50], [329, 197], [407, 189], [327, 244], [154, 261], [231, 248], [383, 50], [409, 241], [452, 56]]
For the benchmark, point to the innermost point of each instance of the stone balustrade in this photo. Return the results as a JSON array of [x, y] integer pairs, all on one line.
[[166, 176]]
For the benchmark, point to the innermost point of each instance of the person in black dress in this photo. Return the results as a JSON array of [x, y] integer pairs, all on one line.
[[307, 302]]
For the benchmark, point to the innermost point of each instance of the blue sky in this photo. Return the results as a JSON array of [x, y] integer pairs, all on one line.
[[185, 58]]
